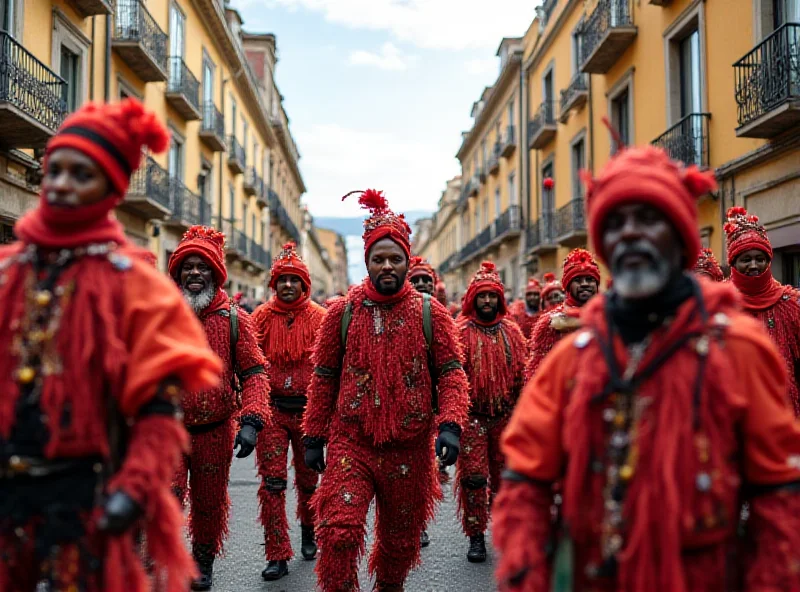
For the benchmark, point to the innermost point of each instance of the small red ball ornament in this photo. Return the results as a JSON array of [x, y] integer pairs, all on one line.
[[548, 183]]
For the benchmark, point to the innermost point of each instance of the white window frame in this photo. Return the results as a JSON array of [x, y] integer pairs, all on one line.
[[690, 19], [624, 83], [67, 34], [577, 186]]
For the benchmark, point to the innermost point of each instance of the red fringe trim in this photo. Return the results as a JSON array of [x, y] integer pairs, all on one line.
[[281, 341]]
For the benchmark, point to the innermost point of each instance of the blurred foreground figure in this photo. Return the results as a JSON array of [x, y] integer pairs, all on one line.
[[657, 419], [96, 348]]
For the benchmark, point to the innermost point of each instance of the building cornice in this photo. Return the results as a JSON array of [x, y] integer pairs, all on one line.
[[549, 38]]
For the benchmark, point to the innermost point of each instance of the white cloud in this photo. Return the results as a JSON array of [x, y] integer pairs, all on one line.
[[388, 58], [429, 24], [482, 66]]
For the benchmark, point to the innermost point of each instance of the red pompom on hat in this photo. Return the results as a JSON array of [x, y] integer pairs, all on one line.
[[288, 262], [486, 279], [647, 175], [533, 286], [743, 232], [112, 135], [440, 289], [419, 266], [551, 284], [578, 263], [708, 264], [206, 242], [383, 222]]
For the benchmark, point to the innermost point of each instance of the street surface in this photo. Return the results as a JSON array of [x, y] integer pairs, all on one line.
[[444, 562]]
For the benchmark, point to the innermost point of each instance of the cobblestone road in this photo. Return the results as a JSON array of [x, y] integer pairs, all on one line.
[[444, 567]]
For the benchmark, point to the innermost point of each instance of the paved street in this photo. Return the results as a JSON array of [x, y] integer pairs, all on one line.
[[445, 566]]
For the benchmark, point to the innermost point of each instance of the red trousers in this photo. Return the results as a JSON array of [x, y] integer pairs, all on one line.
[[403, 482], [206, 470], [273, 446], [478, 469]]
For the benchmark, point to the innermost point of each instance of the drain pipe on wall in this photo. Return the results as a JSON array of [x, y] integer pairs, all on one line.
[[591, 127], [107, 70], [222, 157]]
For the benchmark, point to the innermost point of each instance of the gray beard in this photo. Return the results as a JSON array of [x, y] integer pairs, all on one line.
[[199, 301], [640, 283]]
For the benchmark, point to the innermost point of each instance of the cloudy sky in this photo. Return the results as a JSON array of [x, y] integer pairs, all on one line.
[[378, 91]]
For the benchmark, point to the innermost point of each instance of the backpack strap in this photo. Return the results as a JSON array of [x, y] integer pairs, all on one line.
[[347, 316], [427, 330], [427, 320], [236, 381]]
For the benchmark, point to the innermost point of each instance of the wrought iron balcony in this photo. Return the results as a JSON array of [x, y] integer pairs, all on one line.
[[687, 140], [212, 128], [252, 182], [149, 194], [570, 223], [188, 208], [139, 41], [463, 197], [542, 127], [509, 143], [279, 215], [258, 254], [450, 263], [768, 85], [481, 174], [231, 238], [540, 236], [262, 193], [31, 97], [183, 90], [237, 158], [607, 33], [494, 160], [574, 96], [506, 225], [474, 184], [92, 7]]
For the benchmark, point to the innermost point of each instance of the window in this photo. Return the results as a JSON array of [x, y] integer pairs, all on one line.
[[512, 188], [689, 49], [577, 48], [483, 154], [578, 164], [548, 94], [175, 158], [244, 218], [621, 117], [485, 212], [208, 94], [233, 116], [177, 28], [511, 112], [786, 11], [253, 226], [231, 203], [477, 216], [263, 234], [244, 138], [69, 56], [548, 199], [497, 202], [7, 16], [70, 71]]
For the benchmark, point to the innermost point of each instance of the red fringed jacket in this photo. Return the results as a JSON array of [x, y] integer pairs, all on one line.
[[220, 403], [526, 322], [549, 329], [494, 361], [378, 388], [287, 340], [713, 429]]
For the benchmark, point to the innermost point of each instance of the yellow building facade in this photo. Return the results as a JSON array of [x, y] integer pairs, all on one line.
[[716, 83], [228, 164], [335, 245]]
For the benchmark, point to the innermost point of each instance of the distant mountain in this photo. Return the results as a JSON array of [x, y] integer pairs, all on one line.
[[354, 226]]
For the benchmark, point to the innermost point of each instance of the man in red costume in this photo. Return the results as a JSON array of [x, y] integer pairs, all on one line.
[[372, 402], [775, 305], [526, 312], [96, 349], [440, 293], [494, 354], [422, 275], [552, 293], [286, 326], [708, 266], [659, 417], [233, 412], [581, 277]]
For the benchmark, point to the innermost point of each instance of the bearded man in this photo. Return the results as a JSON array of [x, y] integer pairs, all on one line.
[[581, 277], [707, 266], [526, 312], [231, 414], [775, 305], [422, 275], [658, 418], [552, 292], [494, 354], [387, 374], [286, 328], [96, 350], [440, 293]]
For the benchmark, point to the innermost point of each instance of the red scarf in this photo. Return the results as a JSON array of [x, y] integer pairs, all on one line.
[[221, 301], [375, 296], [283, 340], [571, 302], [759, 292], [67, 228]]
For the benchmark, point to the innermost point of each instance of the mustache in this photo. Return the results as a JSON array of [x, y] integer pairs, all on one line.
[[639, 247]]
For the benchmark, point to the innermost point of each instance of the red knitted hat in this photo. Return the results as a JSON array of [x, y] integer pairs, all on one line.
[[288, 262], [206, 242], [743, 233], [550, 284], [648, 175], [112, 135], [533, 286], [420, 266], [578, 263], [486, 279], [440, 289], [383, 222], [708, 264]]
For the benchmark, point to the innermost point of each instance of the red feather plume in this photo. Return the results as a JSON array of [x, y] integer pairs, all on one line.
[[736, 211]]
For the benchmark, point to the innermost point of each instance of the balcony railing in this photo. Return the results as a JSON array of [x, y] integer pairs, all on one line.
[[139, 40], [212, 128], [252, 182], [281, 216], [542, 126], [570, 223], [505, 225], [540, 236], [509, 141], [768, 85], [183, 89], [188, 208], [574, 96], [687, 140], [258, 254], [494, 160], [236, 156], [474, 184], [607, 33], [450, 263], [31, 97], [149, 191]]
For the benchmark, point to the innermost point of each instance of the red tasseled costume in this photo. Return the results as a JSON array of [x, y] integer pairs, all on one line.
[[525, 320], [372, 404], [286, 336], [550, 328]]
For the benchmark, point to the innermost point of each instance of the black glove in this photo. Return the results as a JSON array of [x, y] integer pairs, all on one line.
[[315, 453], [447, 444], [245, 440], [119, 513]]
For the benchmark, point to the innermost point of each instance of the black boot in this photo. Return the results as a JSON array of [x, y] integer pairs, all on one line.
[[204, 557], [424, 539], [308, 546], [477, 549], [275, 570]]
